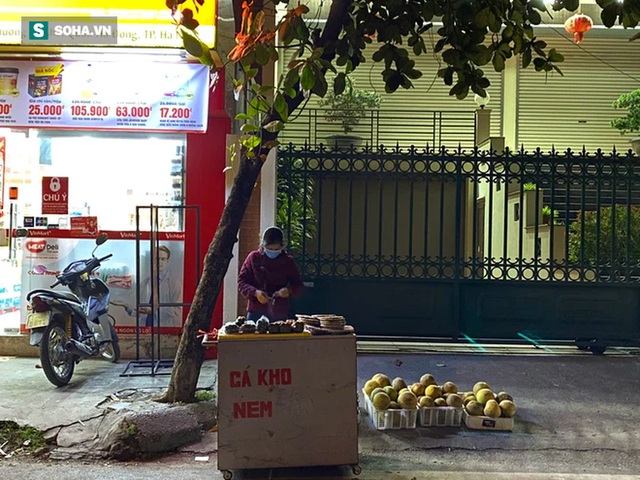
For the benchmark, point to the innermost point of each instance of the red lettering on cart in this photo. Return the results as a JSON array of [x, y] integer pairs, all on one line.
[[239, 379], [274, 376], [255, 409]]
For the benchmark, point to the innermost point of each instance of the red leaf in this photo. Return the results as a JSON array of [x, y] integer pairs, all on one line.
[[200, 2]]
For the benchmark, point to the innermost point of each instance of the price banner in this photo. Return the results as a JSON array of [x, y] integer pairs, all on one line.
[[160, 97]]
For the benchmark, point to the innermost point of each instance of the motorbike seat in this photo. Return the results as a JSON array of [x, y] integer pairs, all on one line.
[[68, 296]]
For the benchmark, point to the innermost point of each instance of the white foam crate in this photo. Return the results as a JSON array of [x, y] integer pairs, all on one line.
[[482, 422], [390, 419], [440, 416]]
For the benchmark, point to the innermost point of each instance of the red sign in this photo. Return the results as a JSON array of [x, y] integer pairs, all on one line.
[[88, 225], [55, 195], [35, 246]]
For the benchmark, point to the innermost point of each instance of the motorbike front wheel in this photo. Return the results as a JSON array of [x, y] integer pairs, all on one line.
[[57, 363], [111, 350]]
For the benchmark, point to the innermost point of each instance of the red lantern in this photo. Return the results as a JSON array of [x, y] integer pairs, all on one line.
[[578, 25]]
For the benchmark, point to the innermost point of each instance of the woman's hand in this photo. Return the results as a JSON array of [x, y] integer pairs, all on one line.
[[262, 297], [282, 293]]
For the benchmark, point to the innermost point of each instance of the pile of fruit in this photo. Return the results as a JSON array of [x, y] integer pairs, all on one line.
[[482, 401], [242, 325], [387, 394]]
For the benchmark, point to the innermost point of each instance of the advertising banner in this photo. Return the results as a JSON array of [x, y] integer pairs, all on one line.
[[3, 159], [52, 250], [55, 195], [140, 23], [162, 97]]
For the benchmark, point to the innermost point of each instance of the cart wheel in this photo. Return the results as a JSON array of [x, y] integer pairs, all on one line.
[[227, 474], [597, 349], [356, 469]]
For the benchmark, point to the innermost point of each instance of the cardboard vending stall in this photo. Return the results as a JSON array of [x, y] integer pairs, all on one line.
[[287, 400]]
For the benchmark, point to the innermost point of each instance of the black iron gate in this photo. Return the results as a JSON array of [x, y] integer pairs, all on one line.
[[438, 243]]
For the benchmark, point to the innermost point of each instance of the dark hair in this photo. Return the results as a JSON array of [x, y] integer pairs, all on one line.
[[272, 235]]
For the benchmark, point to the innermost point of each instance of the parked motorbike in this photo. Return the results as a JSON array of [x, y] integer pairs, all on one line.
[[71, 326]]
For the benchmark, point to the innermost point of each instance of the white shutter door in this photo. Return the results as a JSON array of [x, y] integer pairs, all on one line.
[[574, 110]]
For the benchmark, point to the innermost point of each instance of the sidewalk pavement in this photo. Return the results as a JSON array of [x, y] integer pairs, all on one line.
[[577, 415]]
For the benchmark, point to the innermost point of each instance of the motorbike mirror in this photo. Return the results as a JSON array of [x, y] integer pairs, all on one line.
[[22, 233], [103, 237]]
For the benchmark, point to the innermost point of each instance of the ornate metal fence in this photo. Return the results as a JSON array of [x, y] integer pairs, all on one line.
[[456, 217], [387, 127]]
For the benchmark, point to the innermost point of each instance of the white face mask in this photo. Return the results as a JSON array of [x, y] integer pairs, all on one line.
[[272, 253]]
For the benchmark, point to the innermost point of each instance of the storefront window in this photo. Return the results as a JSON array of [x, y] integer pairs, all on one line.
[[109, 175]]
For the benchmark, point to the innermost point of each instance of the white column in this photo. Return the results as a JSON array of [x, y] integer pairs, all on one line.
[[230, 284], [268, 190], [510, 103]]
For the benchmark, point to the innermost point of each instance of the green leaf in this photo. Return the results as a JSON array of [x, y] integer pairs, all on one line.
[[274, 126], [251, 142], [526, 58], [339, 83], [249, 127], [192, 43], [281, 107], [609, 15], [271, 144], [320, 87], [555, 56], [308, 77], [262, 54], [243, 116], [498, 62]]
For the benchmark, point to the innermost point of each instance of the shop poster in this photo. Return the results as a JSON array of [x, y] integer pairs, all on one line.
[[55, 195], [3, 158], [47, 252], [129, 96]]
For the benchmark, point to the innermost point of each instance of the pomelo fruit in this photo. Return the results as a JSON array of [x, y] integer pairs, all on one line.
[[433, 391], [479, 386], [417, 389], [370, 386], [394, 406], [426, 402], [381, 401], [407, 400], [508, 408], [469, 398], [503, 396], [382, 379], [474, 408], [376, 390], [454, 400], [449, 387], [428, 379], [389, 390], [440, 402], [492, 409], [484, 395], [398, 384]]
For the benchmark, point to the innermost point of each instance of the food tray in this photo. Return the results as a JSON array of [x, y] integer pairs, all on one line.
[[480, 422], [390, 419], [439, 416]]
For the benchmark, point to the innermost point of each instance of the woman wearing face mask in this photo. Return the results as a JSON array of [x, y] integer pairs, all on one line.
[[268, 278]]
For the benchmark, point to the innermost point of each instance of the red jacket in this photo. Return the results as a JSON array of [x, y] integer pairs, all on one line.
[[259, 272]]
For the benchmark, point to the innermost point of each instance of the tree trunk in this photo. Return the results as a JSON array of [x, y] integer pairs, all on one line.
[[190, 354]]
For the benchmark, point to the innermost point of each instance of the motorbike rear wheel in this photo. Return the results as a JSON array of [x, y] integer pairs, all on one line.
[[111, 350], [57, 363]]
